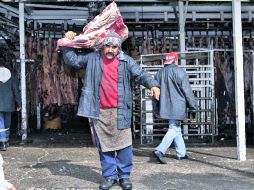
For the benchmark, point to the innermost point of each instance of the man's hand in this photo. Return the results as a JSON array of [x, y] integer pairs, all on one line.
[[193, 114], [70, 35], [155, 91], [18, 109]]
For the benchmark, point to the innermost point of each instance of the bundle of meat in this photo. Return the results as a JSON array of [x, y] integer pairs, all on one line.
[[59, 82], [94, 33], [225, 80], [50, 82], [151, 43]]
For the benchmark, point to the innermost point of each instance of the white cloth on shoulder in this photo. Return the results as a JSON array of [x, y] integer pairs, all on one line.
[[5, 74]]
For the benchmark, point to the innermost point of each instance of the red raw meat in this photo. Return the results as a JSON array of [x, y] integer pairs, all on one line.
[[94, 33]]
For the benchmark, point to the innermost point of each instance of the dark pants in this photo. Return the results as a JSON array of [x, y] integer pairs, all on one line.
[[115, 164], [5, 123]]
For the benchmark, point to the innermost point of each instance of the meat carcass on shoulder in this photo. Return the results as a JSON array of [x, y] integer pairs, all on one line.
[[94, 33]]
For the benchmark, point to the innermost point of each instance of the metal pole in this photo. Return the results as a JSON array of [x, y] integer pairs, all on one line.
[[181, 30], [239, 80], [213, 117], [252, 122], [38, 114], [23, 71], [182, 46], [149, 119]]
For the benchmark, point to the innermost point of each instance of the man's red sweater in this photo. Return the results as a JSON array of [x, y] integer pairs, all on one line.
[[108, 89]]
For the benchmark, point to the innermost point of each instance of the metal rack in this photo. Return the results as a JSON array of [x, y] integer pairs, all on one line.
[[199, 66]]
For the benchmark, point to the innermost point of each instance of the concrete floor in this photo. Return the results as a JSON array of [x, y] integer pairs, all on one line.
[[58, 161]]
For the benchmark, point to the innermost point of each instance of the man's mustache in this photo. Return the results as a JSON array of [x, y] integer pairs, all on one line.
[[109, 53]]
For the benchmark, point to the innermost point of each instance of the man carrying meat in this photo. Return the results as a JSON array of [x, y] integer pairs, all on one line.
[[176, 94], [106, 99]]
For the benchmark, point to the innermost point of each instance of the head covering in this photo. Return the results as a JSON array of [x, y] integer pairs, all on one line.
[[170, 58], [113, 39]]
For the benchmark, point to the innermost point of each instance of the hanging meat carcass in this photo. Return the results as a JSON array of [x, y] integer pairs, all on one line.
[[248, 70], [144, 47], [163, 44], [50, 49], [34, 51], [94, 33], [133, 51], [171, 44], [47, 79], [38, 47], [155, 42], [29, 46], [228, 74], [57, 97]]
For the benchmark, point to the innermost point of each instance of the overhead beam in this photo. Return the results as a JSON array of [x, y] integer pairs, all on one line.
[[56, 7], [123, 1], [11, 9], [136, 13]]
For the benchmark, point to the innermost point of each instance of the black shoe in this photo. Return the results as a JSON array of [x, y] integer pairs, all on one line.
[[107, 183], [4, 146], [125, 183], [159, 156], [182, 158]]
